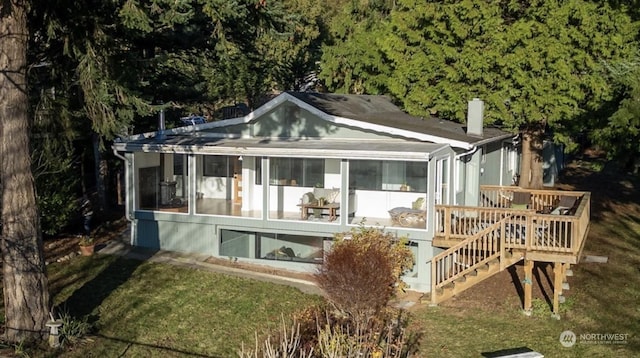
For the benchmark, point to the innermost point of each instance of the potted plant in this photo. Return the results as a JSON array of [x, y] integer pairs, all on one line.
[[86, 245]]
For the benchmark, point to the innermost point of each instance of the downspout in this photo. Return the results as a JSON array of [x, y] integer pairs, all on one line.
[[469, 152], [457, 171], [127, 212], [515, 180]]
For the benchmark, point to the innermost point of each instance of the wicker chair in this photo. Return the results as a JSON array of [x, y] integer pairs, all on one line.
[[413, 216]]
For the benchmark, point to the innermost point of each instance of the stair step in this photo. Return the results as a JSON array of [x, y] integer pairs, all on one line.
[[460, 279], [493, 262], [482, 268]]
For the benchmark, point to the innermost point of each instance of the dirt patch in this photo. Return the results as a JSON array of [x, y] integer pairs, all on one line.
[[66, 245], [505, 290]]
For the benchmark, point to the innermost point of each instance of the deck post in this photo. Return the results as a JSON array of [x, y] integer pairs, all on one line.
[[433, 283], [447, 223], [558, 269], [501, 244], [528, 285]]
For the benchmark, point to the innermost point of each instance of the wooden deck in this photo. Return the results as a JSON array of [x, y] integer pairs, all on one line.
[[482, 241]]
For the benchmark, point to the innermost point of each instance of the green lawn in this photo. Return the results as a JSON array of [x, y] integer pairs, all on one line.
[[144, 309], [158, 310]]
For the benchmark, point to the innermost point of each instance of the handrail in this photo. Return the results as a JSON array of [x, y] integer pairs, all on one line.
[[470, 254]]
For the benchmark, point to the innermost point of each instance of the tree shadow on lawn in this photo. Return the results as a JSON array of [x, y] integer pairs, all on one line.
[[86, 299], [610, 187], [90, 296]]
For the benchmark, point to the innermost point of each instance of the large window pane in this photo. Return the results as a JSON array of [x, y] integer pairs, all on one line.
[[416, 176], [236, 243], [394, 175], [149, 187], [258, 170], [284, 247], [179, 165], [217, 166], [365, 174], [296, 171], [180, 174], [388, 175], [271, 246]]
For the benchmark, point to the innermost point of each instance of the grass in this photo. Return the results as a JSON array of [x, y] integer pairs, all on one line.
[[158, 310]]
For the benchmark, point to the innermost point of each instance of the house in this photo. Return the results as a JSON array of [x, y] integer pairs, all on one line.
[[273, 187]]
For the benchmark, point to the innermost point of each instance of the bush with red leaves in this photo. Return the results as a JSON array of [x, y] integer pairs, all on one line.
[[363, 270]]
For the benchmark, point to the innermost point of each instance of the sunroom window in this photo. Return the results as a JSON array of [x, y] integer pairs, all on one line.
[[272, 246], [217, 166], [293, 172], [388, 175]]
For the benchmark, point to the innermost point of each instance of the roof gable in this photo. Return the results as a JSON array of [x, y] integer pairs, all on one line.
[[379, 111], [362, 112]]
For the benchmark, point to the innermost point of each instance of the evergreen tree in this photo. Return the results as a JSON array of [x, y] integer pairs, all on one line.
[[619, 134], [537, 65], [352, 61], [24, 278], [113, 64], [291, 54]]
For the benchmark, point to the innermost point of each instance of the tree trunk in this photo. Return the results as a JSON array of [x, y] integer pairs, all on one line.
[[531, 175], [26, 293]]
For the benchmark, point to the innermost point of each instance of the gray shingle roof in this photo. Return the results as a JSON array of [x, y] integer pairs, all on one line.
[[380, 110]]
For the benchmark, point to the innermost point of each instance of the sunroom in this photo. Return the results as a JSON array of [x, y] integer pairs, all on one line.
[[316, 181]]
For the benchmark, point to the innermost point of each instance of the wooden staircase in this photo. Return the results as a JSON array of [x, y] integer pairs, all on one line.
[[471, 261]]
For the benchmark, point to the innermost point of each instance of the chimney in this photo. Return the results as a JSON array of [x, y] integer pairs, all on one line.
[[161, 126], [475, 116]]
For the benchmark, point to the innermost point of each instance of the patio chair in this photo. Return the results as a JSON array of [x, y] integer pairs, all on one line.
[[565, 205], [404, 216]]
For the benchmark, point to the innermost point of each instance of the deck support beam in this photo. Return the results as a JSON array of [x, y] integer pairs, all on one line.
[[559, 270], [528, 285]]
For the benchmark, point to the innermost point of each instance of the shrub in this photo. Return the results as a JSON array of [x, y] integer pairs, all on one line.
[[382, 337], [72, 328], [363, 270], [337, 337], [285, 345]]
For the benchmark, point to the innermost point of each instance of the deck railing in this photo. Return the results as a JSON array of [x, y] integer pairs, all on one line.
[[466, 256], [529, 229], [500, 196]]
